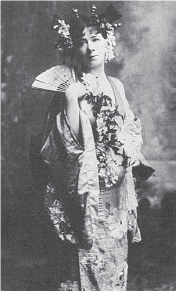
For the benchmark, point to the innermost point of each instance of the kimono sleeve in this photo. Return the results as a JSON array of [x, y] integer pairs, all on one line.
[[39, 168], [140, 167]]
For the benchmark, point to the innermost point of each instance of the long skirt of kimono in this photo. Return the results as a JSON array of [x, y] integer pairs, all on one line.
[[104, 266]]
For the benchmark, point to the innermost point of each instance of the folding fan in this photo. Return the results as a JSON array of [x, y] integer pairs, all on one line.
[[57, 78]]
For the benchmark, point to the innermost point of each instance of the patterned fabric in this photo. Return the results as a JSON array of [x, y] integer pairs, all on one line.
[[86, 213], [104, 266], [69, 286], [74, 177], [58, 215]]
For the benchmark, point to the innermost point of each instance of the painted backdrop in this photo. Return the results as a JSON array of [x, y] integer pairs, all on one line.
[[144, 62]]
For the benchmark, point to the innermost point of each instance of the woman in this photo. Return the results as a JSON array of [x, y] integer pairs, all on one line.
[[92, 151]]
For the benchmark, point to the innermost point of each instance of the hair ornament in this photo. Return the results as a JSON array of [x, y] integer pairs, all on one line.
[[93, 9], [75, 11], [64, 43], [94, 16], [104, 22], [116, 25]]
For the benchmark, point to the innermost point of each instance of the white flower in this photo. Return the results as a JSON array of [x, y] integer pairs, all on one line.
[[117, 223], [63, 28]]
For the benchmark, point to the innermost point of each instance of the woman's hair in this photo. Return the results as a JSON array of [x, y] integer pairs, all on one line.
[[69, 33], [77, 28]]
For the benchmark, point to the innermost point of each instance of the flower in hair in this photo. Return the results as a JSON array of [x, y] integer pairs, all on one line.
[[64, 44], [103, 22], [110, 44], [62, 28]]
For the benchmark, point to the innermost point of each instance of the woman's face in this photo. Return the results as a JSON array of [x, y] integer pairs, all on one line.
[[90, 48]]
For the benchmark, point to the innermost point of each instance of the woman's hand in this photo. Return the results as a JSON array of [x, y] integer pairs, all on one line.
[[75, 91]]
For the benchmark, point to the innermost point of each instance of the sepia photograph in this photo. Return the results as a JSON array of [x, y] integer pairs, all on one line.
[[88, 159]]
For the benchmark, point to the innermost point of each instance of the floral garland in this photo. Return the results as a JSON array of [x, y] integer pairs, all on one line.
[[108, 146], [107, 143]]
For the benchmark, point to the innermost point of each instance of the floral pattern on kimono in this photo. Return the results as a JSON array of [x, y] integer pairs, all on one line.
[[73, 199]]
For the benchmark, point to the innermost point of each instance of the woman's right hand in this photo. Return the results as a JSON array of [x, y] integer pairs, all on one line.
[[75, 91]]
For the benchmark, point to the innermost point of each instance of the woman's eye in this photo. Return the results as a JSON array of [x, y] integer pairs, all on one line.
[[96, 39]]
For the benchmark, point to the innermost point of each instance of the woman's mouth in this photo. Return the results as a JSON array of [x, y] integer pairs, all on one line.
[[93, 57]]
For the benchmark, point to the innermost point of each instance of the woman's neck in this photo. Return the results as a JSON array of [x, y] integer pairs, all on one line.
[[97, 71]]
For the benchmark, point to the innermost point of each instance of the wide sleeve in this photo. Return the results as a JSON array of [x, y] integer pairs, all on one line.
[[131, 137], [74, 175], [39, 169]]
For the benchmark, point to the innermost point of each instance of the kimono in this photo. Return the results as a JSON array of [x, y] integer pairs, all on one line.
[[91, 215]]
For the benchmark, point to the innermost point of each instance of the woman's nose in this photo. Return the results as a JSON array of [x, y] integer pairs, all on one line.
[[90, 46]]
